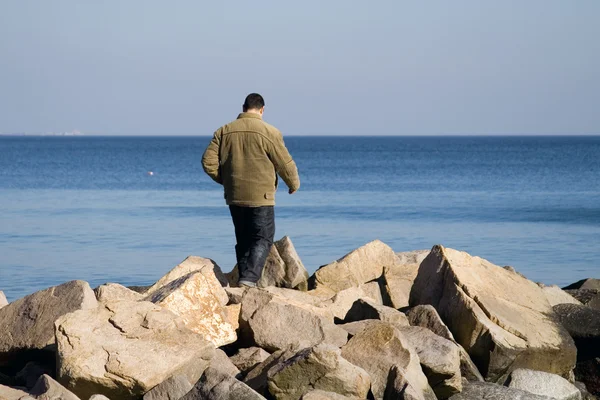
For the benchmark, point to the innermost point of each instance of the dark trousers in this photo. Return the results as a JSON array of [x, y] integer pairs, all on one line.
[[254, 233]]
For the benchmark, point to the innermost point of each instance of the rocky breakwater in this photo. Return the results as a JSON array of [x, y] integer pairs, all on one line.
[[374, 324]]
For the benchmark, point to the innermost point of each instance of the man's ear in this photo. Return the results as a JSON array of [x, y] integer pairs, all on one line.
[[262, 110]]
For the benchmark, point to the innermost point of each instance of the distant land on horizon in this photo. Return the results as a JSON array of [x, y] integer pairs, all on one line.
[[77, 133]]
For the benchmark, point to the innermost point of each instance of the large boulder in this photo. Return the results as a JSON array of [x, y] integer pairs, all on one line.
[[588, 372], [556, 295], [218, 385], [248, 358], [543, 384], [439, 358], [589, 297], [257, 377], [398, 387], [8, 393], [502, 319], [362, 265], [583, 324], [296, 276], [378, 348], [586, 284], [399, 277], [491, 391], [319, 367], [193, 298], [323, 395], [366, 309], [343, 301], [173, 388], [115, 292], [124, 349], [48, 388], [27, 324], [222, 362]]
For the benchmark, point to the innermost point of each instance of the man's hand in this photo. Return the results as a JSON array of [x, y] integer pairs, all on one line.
[[290, 191]]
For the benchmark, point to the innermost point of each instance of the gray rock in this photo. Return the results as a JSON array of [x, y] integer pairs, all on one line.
[[221, 362], [31, 373], [248, 358], [99, 397], [491, 391], [296, 276], [113, 292], [583, 324], [585, 395], [218, 385], [323, 395], [585, 296], [257, 377], [503, 320], [28, 323], [366, 309], [439, 357], [319, 367], [9, 393], [543, 384], [399, 277], [173, 388], [47, 388], [590, 283], [3, 300], [124, 349], [588, 372]]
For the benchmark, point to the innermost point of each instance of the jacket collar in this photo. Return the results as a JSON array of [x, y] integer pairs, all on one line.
[[249, 115]]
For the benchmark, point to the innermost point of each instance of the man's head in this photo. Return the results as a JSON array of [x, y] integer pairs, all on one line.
[[254, 103]]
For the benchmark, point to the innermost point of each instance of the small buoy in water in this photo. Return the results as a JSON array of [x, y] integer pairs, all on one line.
[[150, 173]]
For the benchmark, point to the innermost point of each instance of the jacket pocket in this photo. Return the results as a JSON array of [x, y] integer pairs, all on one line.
[[269, 196]]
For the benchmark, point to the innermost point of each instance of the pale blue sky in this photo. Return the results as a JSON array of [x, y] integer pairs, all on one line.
[[324, 67]]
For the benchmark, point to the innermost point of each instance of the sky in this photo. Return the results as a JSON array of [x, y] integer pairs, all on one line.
[[385, 67]]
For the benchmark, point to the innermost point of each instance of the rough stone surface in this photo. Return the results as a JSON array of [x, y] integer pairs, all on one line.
[[273, 273], [192, 297], [366, 309], [248, 358], [503, 320], [360, 266], [28, 323], [232, 312], [31, 373], [556, 295], [8, 393], [543, 384], [398, 388], [585, 394], [320, 367], [323, 395], [439, 357], [99, 397], [222, 362], [342, 302], [3, 300], [590, 283], [583, 324], [372, 290], [377, 349], [235, 294], [490, 391], [124, 349], [589, 297], [114, 292], [47, 388], [399, 277], [296, 276], [218, 385], [173, 388], [588, 372], [257, 377]]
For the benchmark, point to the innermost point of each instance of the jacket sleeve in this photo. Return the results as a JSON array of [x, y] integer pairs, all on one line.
[[283, 162], [210, 159]]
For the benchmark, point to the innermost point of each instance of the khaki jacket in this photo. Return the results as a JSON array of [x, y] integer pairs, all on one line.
[[245, 156]]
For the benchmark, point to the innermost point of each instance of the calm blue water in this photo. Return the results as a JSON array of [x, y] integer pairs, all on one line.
[[85, 207]]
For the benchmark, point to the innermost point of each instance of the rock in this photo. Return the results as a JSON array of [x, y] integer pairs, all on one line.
[[360, 266], [124, 349], [296, 276], [235, 294], [366, 309], [273, 273], [439, 358], [138, 289], [398, 388], [593, 284], [377, 349], [588, 372], [248, 358], [372, 291], [31, 373], [217, 385], [232, 312], [399, 277], [47, 388], [3, 300], [8, 393], [173, 388], [323, 395], [427, 317], [296, 296], [99, 397], [589, 297], [485, 390], [556, 295], [27, 324], [543, 384], [205, 266], [192, 297], [585, 395], [221, 362], [342, 302], [257, 377], [503, 320], [583, 324], [319, 367], [113, 292]]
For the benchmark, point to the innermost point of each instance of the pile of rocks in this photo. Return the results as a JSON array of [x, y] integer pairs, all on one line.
[[427, 325]]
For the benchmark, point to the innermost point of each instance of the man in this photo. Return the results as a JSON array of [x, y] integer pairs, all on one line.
[[245, 156]]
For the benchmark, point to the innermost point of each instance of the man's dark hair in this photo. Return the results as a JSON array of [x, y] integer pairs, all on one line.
[[254, 101]]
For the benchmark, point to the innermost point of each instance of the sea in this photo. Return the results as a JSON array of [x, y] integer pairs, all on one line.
[[128, 209]]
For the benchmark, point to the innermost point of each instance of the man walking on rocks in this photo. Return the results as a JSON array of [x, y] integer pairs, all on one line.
[[245, 156]]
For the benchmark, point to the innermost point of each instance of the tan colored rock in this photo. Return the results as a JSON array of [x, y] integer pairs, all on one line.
[[222, 362], [28, 323], [8, 393], [319, 367], [399, 277], [100, 397], [48, 388], [206, 266], [218, 385], [366, 309], [248, 358], [372, 291], [440, 360], [233, 315], [398, 388], [342, 301], [503, 320], [323, 395], [377, 349], [273, 273], [296, 276], [3, 300], [173, 388], [192, 297], [235, 294], [360, 266], [114, 292], [556, 295], [124, 349]]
